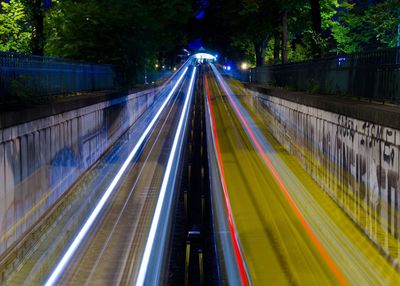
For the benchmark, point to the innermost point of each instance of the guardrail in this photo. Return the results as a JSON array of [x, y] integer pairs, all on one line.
[[22, 74], [374, 75]]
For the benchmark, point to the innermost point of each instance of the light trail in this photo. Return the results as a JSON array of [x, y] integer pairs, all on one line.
[[166, 179], [329, 261], [132, 190], [55, 275], [232, 231]]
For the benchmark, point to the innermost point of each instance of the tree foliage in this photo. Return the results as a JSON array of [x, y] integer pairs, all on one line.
[[314, 27], [136, 33], [128, 33], [15, 35], [370, 28], [244, 26]]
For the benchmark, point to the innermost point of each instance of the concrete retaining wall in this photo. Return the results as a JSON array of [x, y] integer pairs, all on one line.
[[355, 161], [41, 159]]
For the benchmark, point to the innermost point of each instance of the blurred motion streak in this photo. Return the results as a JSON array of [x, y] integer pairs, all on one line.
[[235, 240], [273, 171], [52, 280], [173, 159]]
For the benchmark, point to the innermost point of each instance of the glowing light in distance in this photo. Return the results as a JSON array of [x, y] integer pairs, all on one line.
[[205, 56], [81, 235], [174, 68], [244, 66], [228, 68], [156, 66], [216, 56], [160, 202]]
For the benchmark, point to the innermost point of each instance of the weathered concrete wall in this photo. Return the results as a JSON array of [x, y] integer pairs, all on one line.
[[41, 159], [355, 161]]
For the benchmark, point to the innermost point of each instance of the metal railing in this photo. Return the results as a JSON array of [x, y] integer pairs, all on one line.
[[374, 75], [242, 75], [29, 75], [153, 76]]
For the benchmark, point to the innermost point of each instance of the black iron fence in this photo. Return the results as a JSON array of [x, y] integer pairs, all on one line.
[[242, 75], [374, 75], [153, 76], [29, 75]]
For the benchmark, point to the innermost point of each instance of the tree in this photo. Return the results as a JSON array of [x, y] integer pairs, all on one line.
[[127, 33], [241, 21], [277, 46], [284, 35], [367, 28], [15, 33], [36, 13], [316, 26], [288, 10], [384, 18]]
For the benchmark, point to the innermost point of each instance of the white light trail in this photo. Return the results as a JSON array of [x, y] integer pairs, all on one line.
[[156, 218], [81, 235]]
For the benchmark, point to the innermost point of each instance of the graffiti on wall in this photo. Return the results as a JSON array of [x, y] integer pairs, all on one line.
[[355, 161], [40, 166]]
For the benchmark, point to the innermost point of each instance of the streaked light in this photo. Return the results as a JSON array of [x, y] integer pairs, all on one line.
[[331, 264], [160, 202], [81, 235], [232, 229]]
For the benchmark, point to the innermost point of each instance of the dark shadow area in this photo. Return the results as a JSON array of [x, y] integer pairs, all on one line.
[[193, 258]]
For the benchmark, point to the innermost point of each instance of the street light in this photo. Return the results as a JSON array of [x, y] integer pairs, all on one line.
[[244, 66], [156, 66]]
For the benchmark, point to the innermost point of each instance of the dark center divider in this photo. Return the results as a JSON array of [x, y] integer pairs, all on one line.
[[193, 258]]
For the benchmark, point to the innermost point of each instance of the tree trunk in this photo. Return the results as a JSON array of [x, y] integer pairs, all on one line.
[[37, 16], [284, 36], [277, 46], [260, 48], [316, 27], [316, 16]]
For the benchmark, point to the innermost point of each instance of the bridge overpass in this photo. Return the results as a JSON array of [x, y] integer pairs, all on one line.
[[196, 190]]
